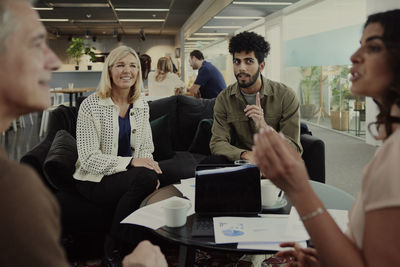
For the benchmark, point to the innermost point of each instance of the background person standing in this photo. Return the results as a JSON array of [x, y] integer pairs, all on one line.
[[209, 81]]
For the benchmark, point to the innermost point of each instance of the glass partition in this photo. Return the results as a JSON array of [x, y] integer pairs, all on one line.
[[325, 98]]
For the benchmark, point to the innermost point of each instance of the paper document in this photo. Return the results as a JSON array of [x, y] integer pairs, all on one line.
[[295, 225], [245, 229], [187, 188], [152, 216], [267, 245]]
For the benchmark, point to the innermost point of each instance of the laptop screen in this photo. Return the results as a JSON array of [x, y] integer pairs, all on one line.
[[227, 190]]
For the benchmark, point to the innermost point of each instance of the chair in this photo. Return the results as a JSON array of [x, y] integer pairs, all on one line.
[[332, 197], [313, 154], [55, 99]]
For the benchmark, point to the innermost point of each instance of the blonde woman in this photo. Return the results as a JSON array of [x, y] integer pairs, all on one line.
[[115, 163], [163, 82]]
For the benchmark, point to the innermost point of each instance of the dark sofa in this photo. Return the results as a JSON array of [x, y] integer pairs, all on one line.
[[181, 132]]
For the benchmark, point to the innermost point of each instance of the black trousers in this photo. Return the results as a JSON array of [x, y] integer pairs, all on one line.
[[216, 159], [127, 189]]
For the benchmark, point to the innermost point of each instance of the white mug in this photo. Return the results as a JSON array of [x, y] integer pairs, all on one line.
[[176, 212], [270, 193], [241, 162]]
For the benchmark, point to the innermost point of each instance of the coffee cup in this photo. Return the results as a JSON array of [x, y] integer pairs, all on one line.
[[242, 162], [176, 212], [270, 194]]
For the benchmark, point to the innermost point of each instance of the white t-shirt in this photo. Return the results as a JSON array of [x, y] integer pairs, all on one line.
[[166, 87]]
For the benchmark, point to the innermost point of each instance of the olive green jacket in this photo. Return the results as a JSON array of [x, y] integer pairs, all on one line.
[[232, 130]]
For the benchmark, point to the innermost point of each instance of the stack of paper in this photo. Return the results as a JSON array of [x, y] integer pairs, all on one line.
[[268, 231]]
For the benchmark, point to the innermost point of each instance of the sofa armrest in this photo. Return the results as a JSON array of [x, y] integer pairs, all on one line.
[[62, 118], [36, 157], [314, 157]]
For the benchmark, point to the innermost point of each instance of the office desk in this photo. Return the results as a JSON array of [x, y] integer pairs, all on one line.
[[332, 197], [73, 91]]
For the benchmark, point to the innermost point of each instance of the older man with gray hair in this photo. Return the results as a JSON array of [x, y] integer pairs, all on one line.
[[30, 225]]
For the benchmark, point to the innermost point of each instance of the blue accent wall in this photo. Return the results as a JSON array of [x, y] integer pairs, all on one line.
[[328, 48]]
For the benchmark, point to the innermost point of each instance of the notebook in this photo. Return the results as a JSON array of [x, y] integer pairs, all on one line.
[[225, 190]]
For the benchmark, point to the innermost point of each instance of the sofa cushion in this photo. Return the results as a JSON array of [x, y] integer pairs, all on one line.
[[190, 112], [59, 164], [161, 131], [201, 140]]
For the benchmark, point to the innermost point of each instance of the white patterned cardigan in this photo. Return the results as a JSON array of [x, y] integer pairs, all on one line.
[[97, 137]]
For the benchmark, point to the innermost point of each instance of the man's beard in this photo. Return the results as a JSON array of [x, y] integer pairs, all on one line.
[[252, 81]]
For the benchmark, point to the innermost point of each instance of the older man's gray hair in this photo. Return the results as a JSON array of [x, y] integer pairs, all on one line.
[[8, 21]]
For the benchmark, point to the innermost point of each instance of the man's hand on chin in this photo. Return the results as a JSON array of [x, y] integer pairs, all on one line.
[[256, 113]]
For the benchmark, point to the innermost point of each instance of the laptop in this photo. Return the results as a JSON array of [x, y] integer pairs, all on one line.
[[225, 190]]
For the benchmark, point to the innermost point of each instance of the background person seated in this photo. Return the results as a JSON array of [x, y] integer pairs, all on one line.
[[164, 82]]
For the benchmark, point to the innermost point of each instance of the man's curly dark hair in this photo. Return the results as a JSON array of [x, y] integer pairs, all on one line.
[[249, 41]]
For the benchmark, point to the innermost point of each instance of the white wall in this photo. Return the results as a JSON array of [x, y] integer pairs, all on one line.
[[322, 17]]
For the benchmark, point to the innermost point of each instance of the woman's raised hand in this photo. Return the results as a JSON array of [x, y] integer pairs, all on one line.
[[147, 163], [279, 162]]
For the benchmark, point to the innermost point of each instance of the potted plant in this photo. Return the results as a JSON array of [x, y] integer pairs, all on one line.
[[91, 54], [309, 83], [340, 99], [79, 47]]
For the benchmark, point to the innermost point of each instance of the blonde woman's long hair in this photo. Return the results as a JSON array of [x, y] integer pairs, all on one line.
[[105, 85], [164, 65]]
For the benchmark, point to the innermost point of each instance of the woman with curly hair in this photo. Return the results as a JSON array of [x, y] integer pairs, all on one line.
[[373, 237]]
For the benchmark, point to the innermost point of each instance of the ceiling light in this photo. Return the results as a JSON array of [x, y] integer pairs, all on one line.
[[54, 20], [143, 9], [211, 33], [235, 17], [262, 3], [95, 21], [79, 5], [87, 35], [141, 20], [115, 33], [58, 33], [42, 8], [222, 27], [202, 39]]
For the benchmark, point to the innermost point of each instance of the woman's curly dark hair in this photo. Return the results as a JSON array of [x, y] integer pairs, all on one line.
[[249, 41], [390, 21]]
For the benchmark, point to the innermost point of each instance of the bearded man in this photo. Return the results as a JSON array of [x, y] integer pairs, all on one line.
[[253, 102]]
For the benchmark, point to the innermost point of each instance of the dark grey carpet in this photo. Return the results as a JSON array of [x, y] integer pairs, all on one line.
[[345, 158]]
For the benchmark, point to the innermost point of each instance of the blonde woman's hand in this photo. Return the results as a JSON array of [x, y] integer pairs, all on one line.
[[147, 163], [279, 162]]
